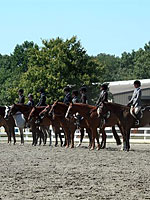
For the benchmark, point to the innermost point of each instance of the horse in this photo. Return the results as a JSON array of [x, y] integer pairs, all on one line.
[[125, 119], [8, 123], [45, 121], [89, 113], [47, 109], [25, 110], [58, 110]]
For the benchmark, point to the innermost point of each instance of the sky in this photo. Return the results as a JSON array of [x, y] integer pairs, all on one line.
[[102, 26]]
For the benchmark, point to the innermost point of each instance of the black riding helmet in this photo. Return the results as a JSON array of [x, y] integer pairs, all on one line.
[[137, 82], [67, 89], [41, 90], [75, 92], [104, 86], [21, 91], [83, 89]]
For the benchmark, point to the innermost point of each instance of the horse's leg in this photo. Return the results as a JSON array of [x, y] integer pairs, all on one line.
[[128, 139], [60, 137], [56, 135], [50, 137], [21, 135], [12, 133], [81, 137], [44, 136], [104, 136], [124, 145], [116, 136], [58, 132], [90, 137], [72, 136], [66, 131], [9, 136], [95, 135]]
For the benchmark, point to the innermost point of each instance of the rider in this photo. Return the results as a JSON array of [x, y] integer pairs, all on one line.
[[67, 98], [75, 96], [76, 100], [135, 101], [21, 96], [31, 101], [42, 101], [103, 97], [83, 95]]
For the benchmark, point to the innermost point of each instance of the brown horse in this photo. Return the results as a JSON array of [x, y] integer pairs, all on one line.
[[6, 127], [59, 110], [45, 121], [125, 119], [93, 121], [25, 110], [8, 124], [73, 120]]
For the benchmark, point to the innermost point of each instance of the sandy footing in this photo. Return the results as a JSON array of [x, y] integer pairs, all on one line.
[[44, 172]]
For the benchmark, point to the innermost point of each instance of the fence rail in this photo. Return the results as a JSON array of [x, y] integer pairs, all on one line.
[[140, 135]]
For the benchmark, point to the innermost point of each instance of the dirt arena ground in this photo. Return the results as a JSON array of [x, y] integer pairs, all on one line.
[[44, 172]]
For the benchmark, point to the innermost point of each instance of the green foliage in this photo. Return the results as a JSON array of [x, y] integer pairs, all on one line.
[[59, 63]]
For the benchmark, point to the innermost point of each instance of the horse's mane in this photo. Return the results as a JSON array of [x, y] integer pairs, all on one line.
[[21, 105], [2, 111], [84, 105], [117, 106]]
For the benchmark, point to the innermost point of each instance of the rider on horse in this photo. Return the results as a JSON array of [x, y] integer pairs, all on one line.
[[67, 98], [75, 96], [21, 96], [76, 100], [42, 101], [83, 95], [103, 97], [31, 101], [135, 102]]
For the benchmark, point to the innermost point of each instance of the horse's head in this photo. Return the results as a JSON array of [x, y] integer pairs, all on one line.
[[70, 111], [13, 110], [58, 108], [45, 111], [53, 109], [32, 114]]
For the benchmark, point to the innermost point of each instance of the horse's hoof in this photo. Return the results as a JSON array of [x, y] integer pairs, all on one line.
[[78, 145], [92, 148]]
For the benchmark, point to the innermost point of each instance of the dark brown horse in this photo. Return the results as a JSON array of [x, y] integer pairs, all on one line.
[[46, 121], [8, 124], [6, 127], [93, 121], [125, 119], [59, 110]]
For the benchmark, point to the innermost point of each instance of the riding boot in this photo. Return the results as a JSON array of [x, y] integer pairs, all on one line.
[[39, 120], [78, 121], [137, 122]]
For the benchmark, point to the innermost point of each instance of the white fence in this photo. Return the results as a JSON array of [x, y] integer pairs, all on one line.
[[141, 135]]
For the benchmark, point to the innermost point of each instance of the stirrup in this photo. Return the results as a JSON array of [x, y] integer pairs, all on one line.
[[137, 122]]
